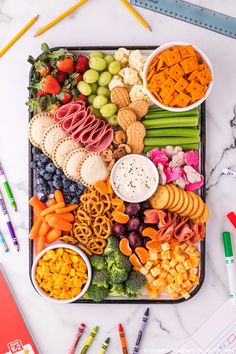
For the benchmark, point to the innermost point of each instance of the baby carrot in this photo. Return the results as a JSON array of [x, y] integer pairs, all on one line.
[[35, 201], [35, 229], [67, 209], [51, 202], [40, 244], [57, 223], [67, 216], [52, 208], [53, 235], [59, 196], [43, 229], [37, 212]]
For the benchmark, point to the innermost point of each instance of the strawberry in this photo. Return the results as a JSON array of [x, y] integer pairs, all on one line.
[[43, 68], [65, 97], [50, 85], [81, 97], [66, 65], [82, 64], [53, 108], [61, 77], [40, 93]]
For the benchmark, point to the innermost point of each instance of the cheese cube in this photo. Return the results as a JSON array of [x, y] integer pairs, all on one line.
[[185, 294], [173, 263], [187, 284], [143, 271], [171, 288], [178, 278], [156, 271], [194, 261], [187, 264], [163, 274], [172, 272], [150, 278], [190, 250], [160, 282], [165, 255], [165, 265], [174, 296], [180, 268], [148, 265], [180, 257], [194, 278], [185, 276], [193, 271], [183, 246], [165, 246], [153, 256], [169, 278]]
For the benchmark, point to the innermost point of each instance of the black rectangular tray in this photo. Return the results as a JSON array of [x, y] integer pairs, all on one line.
[[202, 124]]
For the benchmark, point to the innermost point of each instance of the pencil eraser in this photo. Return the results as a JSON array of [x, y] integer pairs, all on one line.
[[232, 218]]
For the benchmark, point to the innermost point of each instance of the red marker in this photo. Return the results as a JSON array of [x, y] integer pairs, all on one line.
[[122, 339]]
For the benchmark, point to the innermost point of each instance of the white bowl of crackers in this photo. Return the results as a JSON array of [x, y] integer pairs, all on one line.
[[61, 273], [178, 76]]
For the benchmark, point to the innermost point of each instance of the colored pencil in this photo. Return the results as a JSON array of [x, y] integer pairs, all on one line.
[[76, 339], [7, 187], [141, 332], [122, 339], [89, 340], [136, 14], [3, 243], [18, 35], [104, 346], [59, 18], [8, 222]]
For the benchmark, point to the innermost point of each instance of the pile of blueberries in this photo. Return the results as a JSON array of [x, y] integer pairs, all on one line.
[[49, 178]]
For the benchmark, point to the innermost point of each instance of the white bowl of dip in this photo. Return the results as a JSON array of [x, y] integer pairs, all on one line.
[[134, 178]]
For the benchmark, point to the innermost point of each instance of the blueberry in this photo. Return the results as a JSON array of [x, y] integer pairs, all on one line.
[[35, 151], [44, 198], [42, 188], [67, 199], [50, 167], [75, 200], [57, 184], [47, 176], [41, 172], [40, 180], [73, 188], [59, 172], [33, 164], [66, 183]]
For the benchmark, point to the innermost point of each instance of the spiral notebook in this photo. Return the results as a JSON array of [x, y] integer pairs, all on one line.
[[15, 337]]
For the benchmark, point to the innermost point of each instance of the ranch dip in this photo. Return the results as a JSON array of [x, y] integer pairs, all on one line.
[[134, 178]]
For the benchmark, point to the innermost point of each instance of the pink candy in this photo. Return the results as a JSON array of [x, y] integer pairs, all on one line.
[[192, 158], [158, 156], [172, 174], [194, 186]]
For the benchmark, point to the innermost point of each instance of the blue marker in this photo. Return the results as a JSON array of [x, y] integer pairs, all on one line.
[[3, 243]]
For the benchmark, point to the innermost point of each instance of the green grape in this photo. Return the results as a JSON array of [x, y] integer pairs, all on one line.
[[96, 112], [84, 88], [96, 54], [103, 91], [91, 76], [104, 78], [91, 97], [114, 67], [99, 101], [109, 59], [113, 120], [108, 110], [97, 63], [94, 87]]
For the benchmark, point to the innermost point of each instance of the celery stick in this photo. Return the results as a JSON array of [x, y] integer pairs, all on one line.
[[171, 141], [171, 122], [164, 115], [173, 132], [184, 146]]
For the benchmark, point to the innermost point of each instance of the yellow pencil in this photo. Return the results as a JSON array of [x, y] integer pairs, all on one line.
[[60, 17], [18, 35], [135, 13]]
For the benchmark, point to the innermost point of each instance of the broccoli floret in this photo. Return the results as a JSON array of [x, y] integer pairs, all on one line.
[[96, 293], [97, 262], [122, 261], [117, 290], [100, 278], [135, 283], [117, 275], [112, 245]]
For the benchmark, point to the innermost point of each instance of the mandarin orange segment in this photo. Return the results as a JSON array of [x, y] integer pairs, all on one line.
[[142, 253], [121, 208], [150, 232], [125, 247], [101, 187], [108, 184], [135, 261], [153, 245], [120, 217], [117, 201]]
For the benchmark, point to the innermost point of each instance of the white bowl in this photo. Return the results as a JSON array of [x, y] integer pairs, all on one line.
[[145, 161], [42, 292], [158, 51]]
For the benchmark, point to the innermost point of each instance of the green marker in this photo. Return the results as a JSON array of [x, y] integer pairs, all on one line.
[[7, 187], [89, 340], [230, 265], [104, 346]]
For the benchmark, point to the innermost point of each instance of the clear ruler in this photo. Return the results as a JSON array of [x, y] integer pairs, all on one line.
[[194, 14]]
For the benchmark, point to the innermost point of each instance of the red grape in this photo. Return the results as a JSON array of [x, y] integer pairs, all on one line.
[[132, 209], [119, 229], [135, 239], [145, 205], [133, 224]]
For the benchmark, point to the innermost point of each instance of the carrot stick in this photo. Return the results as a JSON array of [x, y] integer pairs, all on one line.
[[35, 229], [67, 209], [37, 212], [52, 208], [47, 217], [59, 196], [35, 201], [59, 224], [51, 202], [53, 235], [40, 244], [67, 216], [43, 229]]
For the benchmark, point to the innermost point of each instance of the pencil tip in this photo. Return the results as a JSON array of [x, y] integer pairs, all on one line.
[[120, 327], [147, 312], [150, 29], [37, 17], [36, 34], [15, 207], [107, 340]]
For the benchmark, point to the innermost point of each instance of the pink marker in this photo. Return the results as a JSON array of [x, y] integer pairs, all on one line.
[[76, 339]]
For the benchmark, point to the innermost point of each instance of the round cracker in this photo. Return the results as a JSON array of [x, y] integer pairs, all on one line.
[[189, 209], [37, 127], [195, 204], [92, 168], [177, 192], [200, 209], [62, 149], [160, 198], [171, 195], [185, 203], [71, 164], [179, 203], [50, 138], [205, 214]]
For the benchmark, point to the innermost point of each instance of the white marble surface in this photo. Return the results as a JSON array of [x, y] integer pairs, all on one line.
[[106, 22]]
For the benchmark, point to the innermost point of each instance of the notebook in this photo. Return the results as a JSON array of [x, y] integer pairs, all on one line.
[[15, 337]]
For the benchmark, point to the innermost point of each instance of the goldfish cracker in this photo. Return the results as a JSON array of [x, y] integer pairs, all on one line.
[[165, 246]]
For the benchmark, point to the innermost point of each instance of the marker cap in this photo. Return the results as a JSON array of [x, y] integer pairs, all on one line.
[[232, 218], [227, 244]]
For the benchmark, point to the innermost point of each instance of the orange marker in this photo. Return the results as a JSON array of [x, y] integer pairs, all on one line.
[[122, 339]]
